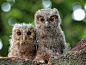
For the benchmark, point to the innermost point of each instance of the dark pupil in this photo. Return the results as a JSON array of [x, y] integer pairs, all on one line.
[[19, 33], [29, 33], [51, 19], [42, 19]]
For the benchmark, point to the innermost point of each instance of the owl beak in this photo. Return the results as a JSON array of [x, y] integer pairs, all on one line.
[[47, 24], [24, 37]]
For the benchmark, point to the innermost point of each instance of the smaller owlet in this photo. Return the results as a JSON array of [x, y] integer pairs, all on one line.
[[49, 34], [23, 41]]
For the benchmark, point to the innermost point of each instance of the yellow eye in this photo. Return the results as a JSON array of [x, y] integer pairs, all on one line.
[[51, 19], [42, 19]]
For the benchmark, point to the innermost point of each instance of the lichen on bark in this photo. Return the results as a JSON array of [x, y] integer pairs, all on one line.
[[17, 61], [70, 58]]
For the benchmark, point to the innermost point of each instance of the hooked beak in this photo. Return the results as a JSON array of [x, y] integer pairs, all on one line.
[[47, 24], [24, 37]]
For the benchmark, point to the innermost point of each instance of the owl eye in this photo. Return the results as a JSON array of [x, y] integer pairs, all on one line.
[[42, 19], [51, 19], [28, 33], [18, 33]]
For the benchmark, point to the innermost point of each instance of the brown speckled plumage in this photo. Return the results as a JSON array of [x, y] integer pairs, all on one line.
[[49, 33], [23, 45]]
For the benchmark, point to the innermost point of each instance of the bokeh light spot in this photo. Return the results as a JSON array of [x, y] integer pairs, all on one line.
[[85, 7], [11, 0], [6, 7], [78, 14], [1, 45], [77, 7], [47, 3], [12, 21]]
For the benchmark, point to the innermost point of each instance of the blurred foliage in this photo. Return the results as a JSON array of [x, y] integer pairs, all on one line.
[[24, 10]]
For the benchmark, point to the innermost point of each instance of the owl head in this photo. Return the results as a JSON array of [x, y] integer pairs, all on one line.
[[23, 32], [47, 18]]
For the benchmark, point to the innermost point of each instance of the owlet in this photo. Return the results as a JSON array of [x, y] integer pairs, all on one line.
[[49, 34], [23, 41]]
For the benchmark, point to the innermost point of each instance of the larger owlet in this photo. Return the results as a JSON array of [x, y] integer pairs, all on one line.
[[23, 41], [49, 33]]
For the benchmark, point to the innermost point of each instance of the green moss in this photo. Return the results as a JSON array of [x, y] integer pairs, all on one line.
[[70, 58]]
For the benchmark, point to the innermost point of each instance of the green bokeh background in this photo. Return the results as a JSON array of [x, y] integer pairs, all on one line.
[[24, 10]]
